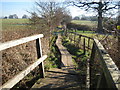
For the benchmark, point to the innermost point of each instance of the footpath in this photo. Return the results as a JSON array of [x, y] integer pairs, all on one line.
[[64, 78]]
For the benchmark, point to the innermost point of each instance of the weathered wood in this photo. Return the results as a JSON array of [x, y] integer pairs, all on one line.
[[88, 75], [70, 37], [111, 73], [84, 50], [92, 57], [81, 35], [102, 82], [110, 70], [88, 42], [22, 74], [39, 54], [66, 59], [13, 43], [74, 39], [79, 41]]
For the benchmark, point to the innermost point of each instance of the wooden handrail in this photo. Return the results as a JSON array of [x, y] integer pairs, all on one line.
[[22, 74], [39, 62], [80, 34], [110, 70], [13, 43]]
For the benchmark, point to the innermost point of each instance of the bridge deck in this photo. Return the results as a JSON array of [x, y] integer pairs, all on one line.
[[66, 77]]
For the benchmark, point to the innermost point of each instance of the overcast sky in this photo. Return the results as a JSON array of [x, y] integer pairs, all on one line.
[[20, 7]]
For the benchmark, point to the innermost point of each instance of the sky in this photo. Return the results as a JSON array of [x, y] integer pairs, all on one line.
[[20, 7]]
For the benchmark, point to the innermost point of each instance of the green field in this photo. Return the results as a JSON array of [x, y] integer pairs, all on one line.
[[14, 24], [84, 22], [14, 21]]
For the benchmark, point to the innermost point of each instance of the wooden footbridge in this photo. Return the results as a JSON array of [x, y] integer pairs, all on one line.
[[107, 75]]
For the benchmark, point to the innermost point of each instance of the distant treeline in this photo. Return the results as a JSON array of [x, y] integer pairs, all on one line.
[[91, 18], [14, 16]]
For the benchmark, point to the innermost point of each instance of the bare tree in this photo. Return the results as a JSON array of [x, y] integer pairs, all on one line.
[[49, 15], [52, 13], [24, 16], [100, 6]]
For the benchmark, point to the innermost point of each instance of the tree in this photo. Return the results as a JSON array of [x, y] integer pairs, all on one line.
[[11, 16], [83, 17], [99, 6], [14, 16], [76, 18], [93, 18], [24, 16], [118, 27], [5, 17], [51, 13], [34, 18]]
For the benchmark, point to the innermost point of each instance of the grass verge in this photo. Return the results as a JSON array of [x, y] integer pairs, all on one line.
[[53, 60]]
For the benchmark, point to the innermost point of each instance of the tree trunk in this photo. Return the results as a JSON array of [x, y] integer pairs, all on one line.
[[118, 47], [119, 31], [100, 25], [118, 37]]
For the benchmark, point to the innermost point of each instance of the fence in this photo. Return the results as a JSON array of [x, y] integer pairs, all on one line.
[[100, 65], [10, 83]]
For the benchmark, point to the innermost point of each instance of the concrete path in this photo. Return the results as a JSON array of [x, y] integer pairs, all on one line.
[[64, 78]]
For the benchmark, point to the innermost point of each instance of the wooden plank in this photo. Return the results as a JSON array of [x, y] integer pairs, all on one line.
[[39, 54], [110, 69], [22, 74], [13, 43]]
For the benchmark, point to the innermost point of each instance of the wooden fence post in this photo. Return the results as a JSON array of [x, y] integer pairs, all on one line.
[[74, 38], [79, 40], [88, 43], [39, 54], [70, 37], [88, 75], [92, 57], [101, 82], [84, 46]]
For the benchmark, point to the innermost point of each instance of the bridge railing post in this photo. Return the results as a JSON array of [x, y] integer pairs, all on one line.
[[88, 43], [91, 62], [79, 39], [101, 81], [39, 54], [84, 50]]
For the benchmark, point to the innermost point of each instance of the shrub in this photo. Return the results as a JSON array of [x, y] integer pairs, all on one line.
[[78, 26]]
